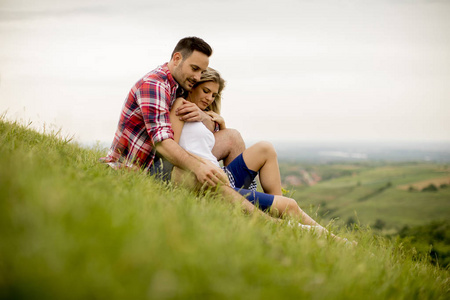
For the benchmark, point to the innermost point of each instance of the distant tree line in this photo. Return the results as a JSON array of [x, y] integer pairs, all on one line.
[[430, 188]]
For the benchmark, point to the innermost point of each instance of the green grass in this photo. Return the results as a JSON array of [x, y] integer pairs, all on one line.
[[71, 228]]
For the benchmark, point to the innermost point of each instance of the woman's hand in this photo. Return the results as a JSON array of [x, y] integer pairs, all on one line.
[[217, 118]]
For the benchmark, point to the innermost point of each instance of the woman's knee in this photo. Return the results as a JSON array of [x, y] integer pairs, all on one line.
[[229, 144], [234, 136], [230, 138], [292, 205], [266, 148]]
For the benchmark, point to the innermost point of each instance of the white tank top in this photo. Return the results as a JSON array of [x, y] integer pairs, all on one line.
[[197, 139]]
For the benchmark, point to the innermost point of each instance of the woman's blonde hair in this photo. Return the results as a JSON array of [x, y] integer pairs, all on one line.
[[212, 75]]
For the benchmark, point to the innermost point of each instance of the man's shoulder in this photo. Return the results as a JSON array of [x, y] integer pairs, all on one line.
[[157, 83], [160, 75]]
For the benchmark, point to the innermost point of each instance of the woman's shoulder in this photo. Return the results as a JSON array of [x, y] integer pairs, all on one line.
[[177, 103]]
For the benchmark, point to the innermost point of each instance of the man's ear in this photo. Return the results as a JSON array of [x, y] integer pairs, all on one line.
[[177, 58]]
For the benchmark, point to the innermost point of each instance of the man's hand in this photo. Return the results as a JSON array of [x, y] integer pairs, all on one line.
[[208, 174], [190, 112]]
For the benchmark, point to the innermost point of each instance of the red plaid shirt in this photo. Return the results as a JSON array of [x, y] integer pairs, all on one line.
[[144, 120]]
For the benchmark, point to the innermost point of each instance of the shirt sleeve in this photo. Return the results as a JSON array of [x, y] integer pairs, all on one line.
[[154, 101]]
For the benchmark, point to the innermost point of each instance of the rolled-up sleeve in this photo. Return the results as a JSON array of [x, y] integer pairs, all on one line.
[[154, 100]]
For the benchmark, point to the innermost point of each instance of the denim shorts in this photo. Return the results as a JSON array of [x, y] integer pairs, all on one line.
[[161, 168], [242, 180]]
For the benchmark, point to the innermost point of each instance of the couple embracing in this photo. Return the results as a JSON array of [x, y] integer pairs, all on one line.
[[170, 125]]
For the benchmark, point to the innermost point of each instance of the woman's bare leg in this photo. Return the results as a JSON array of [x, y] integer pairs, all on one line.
[[283, 206], [229, 144], [188, 180], [263, 158], [185, 178]]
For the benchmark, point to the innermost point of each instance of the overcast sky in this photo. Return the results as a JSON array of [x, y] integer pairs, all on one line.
[[301, 70]]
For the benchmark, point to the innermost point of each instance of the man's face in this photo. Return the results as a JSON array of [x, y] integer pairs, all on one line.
[[188, 71]]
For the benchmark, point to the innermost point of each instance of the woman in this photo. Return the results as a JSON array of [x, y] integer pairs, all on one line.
[[195, 138]]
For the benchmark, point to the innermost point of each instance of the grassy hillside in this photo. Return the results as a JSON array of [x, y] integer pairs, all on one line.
[[71, 228]]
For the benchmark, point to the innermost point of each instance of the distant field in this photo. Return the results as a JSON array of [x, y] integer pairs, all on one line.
[[379, 192], [425, 183]]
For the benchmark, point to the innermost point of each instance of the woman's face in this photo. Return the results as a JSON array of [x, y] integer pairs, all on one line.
[[204, 94]]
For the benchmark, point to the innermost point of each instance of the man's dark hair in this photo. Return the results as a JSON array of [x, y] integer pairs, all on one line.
[[190, 44]]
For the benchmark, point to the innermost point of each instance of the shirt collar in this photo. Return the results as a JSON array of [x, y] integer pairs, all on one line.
[[172, 80], [180, 91]]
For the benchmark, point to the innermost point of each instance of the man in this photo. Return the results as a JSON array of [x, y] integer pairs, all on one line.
[[144, 137]]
